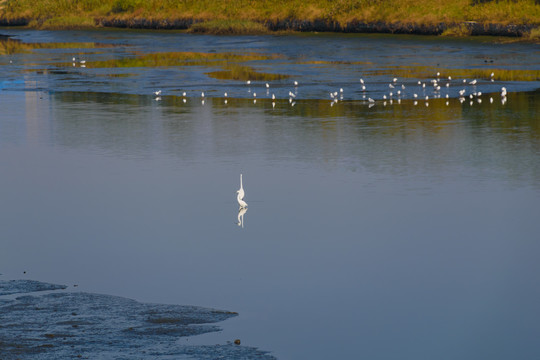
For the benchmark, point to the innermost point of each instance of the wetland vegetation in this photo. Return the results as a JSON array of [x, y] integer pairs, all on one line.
[[456, 18]]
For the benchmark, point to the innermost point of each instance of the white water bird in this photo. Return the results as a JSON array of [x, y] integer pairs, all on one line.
[[473, 82], [225, 94], [273, 97], [202, 94], [248, 82], [157, 93], [240, 191], [240, 196], [184, 94], [295, 83], [361, 81]]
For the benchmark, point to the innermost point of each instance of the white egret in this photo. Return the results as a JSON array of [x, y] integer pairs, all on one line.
[[296, 83], [473, 82], [241, 203], [157, 93], [240, 191]]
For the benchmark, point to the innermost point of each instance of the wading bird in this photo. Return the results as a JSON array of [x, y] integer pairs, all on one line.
[[240, 196]]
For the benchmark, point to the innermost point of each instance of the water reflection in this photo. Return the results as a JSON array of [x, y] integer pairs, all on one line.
[[241, 213], [438, 204]]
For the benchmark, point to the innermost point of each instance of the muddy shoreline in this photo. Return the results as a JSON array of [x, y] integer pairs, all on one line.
[[471, 27], [43, 321]]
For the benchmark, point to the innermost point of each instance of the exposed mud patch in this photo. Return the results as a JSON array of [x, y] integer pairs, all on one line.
[[67, 325]]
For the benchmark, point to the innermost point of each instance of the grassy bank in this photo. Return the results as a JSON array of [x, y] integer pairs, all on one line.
[[255, 16]]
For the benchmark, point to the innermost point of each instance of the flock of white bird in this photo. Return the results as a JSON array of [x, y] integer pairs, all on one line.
[[396, 92]]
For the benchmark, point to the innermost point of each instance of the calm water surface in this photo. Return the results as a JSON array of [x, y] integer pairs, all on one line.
[[395, 231]]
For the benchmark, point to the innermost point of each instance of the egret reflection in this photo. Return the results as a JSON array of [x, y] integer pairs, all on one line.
[[241, 213]]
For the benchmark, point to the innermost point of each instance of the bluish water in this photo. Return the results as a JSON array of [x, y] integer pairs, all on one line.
[[395, 231]]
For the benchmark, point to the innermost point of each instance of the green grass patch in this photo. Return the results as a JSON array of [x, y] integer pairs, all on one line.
[[244, 73], [229, 27], [458, 30], [249, 16]]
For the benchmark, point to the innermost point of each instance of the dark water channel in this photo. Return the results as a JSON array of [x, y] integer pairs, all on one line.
[[398, 228]]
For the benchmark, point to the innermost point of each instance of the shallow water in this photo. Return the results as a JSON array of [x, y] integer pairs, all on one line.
[[376, 231]]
